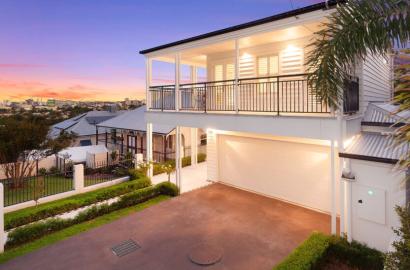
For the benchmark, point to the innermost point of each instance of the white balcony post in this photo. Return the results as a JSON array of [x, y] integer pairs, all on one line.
[[194, 146], [342, 199], [148, 80], [149, 149], [2, 234], [177, 80], [178, 157], [78, 178], [332, 186], [236, 88]]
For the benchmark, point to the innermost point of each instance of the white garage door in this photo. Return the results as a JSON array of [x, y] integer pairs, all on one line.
[[299, 173]]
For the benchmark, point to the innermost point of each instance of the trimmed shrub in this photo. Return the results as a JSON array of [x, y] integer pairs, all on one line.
[[355, 254], [320, 250], [37, 230], [135, 174], [168, 188], [307, 255], [201, 157], [186, 161], [31, 214]]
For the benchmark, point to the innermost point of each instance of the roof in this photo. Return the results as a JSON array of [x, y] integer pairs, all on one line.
[[79, 154], [375, 147], [134, 120], [284, 15], [83, 124], [384, 114]]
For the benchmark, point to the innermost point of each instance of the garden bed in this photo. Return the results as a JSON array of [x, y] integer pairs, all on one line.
[[324, 252], [36, 230], [46, 210]]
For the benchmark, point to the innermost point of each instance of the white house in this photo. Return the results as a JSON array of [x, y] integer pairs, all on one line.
[[267, 133]]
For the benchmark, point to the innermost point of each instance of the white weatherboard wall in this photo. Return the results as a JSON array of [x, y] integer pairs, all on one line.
[[375, 75], [295, 172], [212, 155], [376, 177]]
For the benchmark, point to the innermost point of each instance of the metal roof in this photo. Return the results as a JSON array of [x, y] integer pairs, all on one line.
[[134, 120], [384, 113], [375, 147], [82, 125], [284, 15]]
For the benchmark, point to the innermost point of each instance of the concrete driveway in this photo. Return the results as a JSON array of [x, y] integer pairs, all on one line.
[[251, 231]]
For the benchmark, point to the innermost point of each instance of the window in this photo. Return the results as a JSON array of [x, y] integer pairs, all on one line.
[[230, 72], [219, 73], [224, 72], [268, 65], [203, 139]]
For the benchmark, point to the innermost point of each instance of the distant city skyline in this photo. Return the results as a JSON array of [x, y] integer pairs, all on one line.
[[88, 50]]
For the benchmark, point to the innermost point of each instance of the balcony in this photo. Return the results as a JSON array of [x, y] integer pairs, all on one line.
[[272, 94]]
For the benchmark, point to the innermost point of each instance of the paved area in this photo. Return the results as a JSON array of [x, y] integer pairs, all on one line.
[[252, 231], [193, 177]]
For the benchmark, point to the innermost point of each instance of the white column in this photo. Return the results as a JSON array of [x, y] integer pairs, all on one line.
[[78, 178], [236, 89], [149, 148], [2, 235], [177, 80], [333, 187], [342, 199], [178, 156], [349, 210], [148, 80], [194, 146]]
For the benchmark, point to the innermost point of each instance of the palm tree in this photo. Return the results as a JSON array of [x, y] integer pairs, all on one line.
[[357, 28]]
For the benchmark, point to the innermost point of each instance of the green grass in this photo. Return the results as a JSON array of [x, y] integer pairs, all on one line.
[[76, 229]]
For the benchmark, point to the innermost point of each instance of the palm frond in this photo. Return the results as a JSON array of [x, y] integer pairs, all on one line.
[[357, 29]]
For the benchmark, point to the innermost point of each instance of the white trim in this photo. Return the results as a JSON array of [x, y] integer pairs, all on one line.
[[333, 187], [263, 28]]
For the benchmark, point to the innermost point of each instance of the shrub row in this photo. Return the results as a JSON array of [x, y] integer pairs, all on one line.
[[37, 230], [307, 255], [35, 213], [185, 161], [318, 249]]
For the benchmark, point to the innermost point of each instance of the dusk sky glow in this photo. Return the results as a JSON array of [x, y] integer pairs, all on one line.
[[88, 49]]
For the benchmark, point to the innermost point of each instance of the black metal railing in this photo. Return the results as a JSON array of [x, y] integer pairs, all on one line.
[[273, 94], [351, 95], [30, 188], [103, 171], [162, 97], [287, 94], [208, 96]]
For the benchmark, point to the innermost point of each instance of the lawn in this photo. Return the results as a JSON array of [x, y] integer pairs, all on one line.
[[76, 229]]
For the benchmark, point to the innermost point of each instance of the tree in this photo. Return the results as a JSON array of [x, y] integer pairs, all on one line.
[[23, 141], [357, 29]]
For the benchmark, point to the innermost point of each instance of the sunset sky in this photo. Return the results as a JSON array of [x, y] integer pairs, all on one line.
[[88, 49]]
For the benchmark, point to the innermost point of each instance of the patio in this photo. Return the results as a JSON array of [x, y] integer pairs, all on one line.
[[249, 229]]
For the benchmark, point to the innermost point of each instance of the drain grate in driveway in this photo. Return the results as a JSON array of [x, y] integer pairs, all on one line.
[[125, 248]]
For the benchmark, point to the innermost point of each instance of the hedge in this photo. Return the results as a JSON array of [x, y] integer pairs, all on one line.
[[307, 255], [185, 161], [320, 249], [35, 213], [37, 230]]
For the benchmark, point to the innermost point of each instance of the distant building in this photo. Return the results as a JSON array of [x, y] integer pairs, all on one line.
[[84, 126]]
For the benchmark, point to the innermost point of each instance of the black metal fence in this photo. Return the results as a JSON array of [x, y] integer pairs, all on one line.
[[103, 171], [163, 97], [34, 187], [280, 94]]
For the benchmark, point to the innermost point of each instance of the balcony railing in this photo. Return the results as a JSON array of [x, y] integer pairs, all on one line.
[[273, 94]]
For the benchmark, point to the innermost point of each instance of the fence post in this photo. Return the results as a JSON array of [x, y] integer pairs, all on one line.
[[78, 178], [2, 235]]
